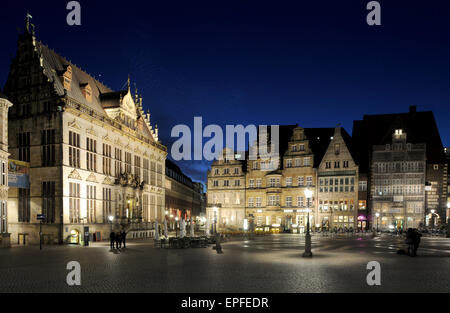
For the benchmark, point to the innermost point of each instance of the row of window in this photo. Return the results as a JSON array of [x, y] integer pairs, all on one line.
[[336, 181], [337, 189], [298, 162], [48, 203], [337, 164], [298, 148], [274, 200], [149, 171], [389, 167], [226, 183], [334, 205], [399, 190], [226, 171]]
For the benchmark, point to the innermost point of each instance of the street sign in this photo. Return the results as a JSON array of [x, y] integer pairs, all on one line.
[[40, 217]]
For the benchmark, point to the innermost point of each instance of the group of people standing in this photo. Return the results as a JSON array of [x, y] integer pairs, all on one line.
[[117, 240]]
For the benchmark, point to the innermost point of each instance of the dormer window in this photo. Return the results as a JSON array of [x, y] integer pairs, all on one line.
[[66, 77], [86, 91]]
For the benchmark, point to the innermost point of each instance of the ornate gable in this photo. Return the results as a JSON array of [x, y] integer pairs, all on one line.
[[75, 175], [91, 178]]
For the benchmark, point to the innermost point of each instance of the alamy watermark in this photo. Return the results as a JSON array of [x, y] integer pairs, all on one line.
[[235, 140], [74, 276]]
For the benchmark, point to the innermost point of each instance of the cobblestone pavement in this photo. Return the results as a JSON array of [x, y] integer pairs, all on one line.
[[264, 264]]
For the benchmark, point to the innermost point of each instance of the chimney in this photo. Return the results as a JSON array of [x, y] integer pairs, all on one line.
[[412, 109]]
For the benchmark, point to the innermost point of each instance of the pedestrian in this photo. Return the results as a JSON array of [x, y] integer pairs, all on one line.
[[123, 236], [118, 241], [416, 241], [112, 239], [410, 241]]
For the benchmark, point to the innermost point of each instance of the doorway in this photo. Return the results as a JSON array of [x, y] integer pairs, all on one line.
[[22, 240]]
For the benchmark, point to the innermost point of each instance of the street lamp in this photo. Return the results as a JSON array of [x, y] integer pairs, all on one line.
[[176, 226], [432, 219], [111, 219], [307, 253], [377, 215]]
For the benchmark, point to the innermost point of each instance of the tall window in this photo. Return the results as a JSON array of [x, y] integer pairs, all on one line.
[[306, 162], [300, 202], [91, 154], [145, 176], [74, 203], [107, 203], [288, 201], [3, 217], [146, 208], [91, 192], [74, 149], [159, 176], [23, 143], [24, 205], [107, 159], [4, 176], [137, 167], [48, 147], [48, 201], [118, 162], [128, 162], [152, 173]]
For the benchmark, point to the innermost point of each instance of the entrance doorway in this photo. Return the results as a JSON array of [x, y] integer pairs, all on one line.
[[74, 237], [22, 240], [362, 225]]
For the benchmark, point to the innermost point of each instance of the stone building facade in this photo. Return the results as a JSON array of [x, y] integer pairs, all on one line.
[[4, 232], [94, 156], [338, 185], [421, 128], [398, 183], [275, 196], [272, 199], [183, 197], [226, 192]]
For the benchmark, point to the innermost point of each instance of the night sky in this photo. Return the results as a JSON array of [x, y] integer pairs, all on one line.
[[315, 63]]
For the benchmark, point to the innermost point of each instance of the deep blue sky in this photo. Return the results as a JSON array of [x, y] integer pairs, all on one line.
[[315, 63]]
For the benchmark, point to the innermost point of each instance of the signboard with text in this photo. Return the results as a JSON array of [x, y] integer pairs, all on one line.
[[18, 174]]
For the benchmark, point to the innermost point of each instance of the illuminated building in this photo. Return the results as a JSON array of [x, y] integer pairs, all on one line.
[[4, 234], [93, 152]]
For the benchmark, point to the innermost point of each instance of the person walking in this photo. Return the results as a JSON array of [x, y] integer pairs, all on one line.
[[123, 236], [112, 239]]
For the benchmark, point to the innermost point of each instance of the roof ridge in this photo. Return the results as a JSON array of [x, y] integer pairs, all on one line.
[[75, 65]]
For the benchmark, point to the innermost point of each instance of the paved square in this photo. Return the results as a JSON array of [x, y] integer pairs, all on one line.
[[264, 264]]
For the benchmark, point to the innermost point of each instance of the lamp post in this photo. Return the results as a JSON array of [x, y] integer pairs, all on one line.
[[378, 216], [432, 211], [111, 219], [307, 253], [176, 226]]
